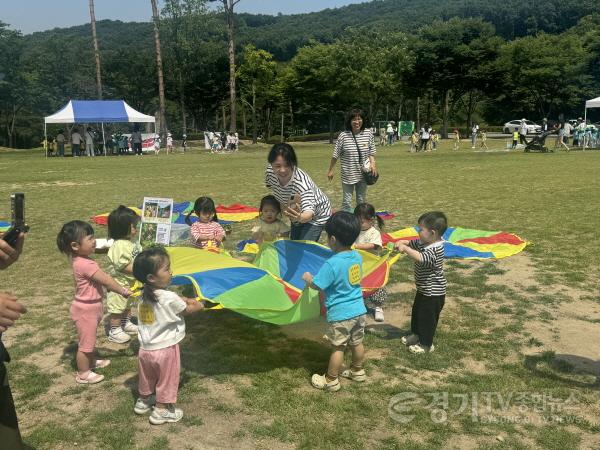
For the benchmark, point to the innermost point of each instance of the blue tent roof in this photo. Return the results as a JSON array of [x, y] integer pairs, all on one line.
[[98, 111]]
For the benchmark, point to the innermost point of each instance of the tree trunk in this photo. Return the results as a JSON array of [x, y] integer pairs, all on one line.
[[182, 102], [243, 118], [268, 123], [254, 124], [331, 127], [469, 110], [159, 68], [291, 116], [229, 4], [217, 119], [96, 51], [418, 113], [445, 115], [224, 117]]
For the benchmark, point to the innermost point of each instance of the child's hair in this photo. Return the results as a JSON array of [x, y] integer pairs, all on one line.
[[120, 222], [147, 263], [270, 200], [367, 211], [434, 220], [203, 205], [345, 226], [73, 231]]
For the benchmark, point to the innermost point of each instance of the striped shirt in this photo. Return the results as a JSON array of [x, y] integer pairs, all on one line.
[[212, 229], [429, 274], [311, 197], [345, 148]]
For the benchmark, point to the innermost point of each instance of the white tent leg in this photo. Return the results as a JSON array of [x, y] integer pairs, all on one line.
[[103, 139], [46, 139]]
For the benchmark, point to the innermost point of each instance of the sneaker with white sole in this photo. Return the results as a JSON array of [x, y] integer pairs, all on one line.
[[378, 314], [160, 416], [130, 327], [118, 336], [358, 376], [89, 378], [418, 348], [320, 382], [410, 339], [144, 405]]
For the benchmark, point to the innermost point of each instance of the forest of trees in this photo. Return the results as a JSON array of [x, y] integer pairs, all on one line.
[[445, 62]]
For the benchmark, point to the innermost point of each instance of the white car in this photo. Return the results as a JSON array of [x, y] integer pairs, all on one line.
[[515, 125]]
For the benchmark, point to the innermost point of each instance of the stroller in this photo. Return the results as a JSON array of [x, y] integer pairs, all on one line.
[[538, 143]]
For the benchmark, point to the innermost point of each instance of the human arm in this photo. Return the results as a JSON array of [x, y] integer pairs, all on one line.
[[109, 283], [308, 279], [372, 152], [10, 310], [8, 254], [405, 248], [192, 305], [330, 170], [367, 246]]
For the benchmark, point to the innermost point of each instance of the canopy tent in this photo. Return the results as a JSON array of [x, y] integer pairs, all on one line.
[[593, 103], [97, 111]]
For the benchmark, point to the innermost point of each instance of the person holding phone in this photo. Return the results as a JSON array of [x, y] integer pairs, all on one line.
[[301, 200], [10, 311]]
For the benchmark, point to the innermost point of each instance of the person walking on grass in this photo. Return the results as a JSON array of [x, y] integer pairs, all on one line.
[[428, 254], [161, 328], [339, 279], [483, 135]]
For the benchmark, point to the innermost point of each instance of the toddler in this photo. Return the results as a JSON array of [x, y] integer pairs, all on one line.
[[270, 226], [206, 232]]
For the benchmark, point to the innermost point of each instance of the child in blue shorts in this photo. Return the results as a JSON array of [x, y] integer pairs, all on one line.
[[339, 279]]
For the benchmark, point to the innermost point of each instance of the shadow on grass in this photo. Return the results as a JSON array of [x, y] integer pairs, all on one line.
[[573, 370]]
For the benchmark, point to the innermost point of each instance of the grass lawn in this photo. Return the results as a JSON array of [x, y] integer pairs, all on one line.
[[516, 362]]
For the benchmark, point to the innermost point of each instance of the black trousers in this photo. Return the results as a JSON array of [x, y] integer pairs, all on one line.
[[425, 315], [10, 437]]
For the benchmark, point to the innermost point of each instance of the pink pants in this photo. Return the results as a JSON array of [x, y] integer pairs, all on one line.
[[159, 372], [87, 316]]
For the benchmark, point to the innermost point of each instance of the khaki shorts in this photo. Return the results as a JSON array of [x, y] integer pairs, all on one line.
[[116, 304], [344, 332]]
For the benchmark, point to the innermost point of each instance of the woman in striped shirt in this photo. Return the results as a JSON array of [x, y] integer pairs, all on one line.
[[356, 138], [301, 200]]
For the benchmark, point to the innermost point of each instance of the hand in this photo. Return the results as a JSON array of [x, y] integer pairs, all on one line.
[[374, 170], [330, 174], [307, 277], [292, 213], [10, 310], [9, 255], [400, 246]]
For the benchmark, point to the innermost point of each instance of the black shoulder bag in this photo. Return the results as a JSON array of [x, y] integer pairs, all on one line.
[[369, 177]]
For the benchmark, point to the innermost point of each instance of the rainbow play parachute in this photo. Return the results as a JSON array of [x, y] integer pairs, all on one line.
[[468, 244], [271, 289]]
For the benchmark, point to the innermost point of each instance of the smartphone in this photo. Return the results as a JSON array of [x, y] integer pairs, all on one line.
[[17, 212]]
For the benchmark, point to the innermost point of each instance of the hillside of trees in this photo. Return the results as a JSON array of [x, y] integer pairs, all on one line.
[[445, 62]]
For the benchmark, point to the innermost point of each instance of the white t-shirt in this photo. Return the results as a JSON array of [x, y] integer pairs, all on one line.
[[89, 138], [76, 138], [370, 236], [160, 324]]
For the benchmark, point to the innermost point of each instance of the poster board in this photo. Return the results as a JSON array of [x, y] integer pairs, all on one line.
[[156, 221]]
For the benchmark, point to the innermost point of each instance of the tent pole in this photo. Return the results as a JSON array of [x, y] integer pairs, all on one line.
[[45, 139], [585, 116], [103, 139]]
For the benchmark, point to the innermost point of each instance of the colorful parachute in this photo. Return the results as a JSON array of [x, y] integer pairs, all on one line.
[[468, 244], [271, 289], [4, 226], [226, 214]]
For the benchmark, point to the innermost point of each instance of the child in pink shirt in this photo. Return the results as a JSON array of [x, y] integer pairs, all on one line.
[[206, 232], [76, 239]]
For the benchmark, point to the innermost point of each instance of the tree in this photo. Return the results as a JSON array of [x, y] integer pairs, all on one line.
[[159, 69], [256, 74], [96, 51]]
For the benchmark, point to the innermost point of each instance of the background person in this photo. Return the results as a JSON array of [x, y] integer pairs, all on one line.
[[75, 142], [301, 200], [354, 139]]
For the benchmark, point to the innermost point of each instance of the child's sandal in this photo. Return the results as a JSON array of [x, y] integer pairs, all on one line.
[[91, 378]]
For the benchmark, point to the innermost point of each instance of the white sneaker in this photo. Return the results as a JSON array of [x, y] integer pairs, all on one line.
[[379, 314], [160, 416], [118, 336], [418, 348], [130, 328], [144, 405], [411, 339]]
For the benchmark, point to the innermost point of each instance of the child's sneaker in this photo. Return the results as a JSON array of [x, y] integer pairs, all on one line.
[[130, 327], [144, 405], [418, 348], [410, 339], [320, 382], [118, 335], [160, 416], [358, 376], [101, 363], [90, 378], [378, 314]]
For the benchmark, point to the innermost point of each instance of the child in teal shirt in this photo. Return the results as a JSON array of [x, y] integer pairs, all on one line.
[[339, 279]]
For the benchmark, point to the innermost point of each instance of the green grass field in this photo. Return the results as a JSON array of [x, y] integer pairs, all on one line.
[[516, 362]]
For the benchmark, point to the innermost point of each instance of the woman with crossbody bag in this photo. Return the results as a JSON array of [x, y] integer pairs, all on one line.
[[356, 149]]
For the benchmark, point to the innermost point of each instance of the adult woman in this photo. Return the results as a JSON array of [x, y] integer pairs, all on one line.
[[301, 200], [356, 138]]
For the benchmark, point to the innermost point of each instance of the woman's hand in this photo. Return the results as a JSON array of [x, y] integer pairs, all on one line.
[[330, 174], [292, 213], [373, 166]]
